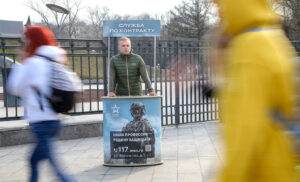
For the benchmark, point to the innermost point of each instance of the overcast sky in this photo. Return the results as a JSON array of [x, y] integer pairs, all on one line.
[[18, 11]]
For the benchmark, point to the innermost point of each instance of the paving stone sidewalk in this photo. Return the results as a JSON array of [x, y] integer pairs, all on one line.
[[190, 153]]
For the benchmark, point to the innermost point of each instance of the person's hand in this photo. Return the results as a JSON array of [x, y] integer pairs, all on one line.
[[152, 94], [111, 94]]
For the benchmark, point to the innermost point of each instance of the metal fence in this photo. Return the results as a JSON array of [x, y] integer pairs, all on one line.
[[179, 85], [181, 70], [87, 58]]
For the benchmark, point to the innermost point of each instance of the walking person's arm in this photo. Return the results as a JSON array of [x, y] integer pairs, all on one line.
[[17, 80]]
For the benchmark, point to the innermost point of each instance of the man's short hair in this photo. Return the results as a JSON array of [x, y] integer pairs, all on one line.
[[124, 38]]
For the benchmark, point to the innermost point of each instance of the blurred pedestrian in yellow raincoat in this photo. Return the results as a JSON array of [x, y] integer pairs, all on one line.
[[259, 87]]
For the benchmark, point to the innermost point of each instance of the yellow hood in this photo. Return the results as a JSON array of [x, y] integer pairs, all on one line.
[[241, 15]]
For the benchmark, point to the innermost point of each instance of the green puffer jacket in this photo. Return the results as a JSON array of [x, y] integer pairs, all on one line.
[[125, 75]]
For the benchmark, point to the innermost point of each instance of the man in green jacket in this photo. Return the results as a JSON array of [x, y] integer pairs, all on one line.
[[126, 70]]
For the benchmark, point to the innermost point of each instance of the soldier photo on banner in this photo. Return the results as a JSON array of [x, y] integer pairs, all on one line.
[[142, 126], [132, 131]]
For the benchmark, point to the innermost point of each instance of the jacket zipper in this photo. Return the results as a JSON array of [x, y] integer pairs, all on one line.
[[127, 76]]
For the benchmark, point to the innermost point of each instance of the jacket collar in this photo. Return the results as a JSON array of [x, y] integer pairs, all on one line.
[[123, 55]]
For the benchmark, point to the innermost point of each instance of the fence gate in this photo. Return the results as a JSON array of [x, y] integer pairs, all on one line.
[[181, 70]]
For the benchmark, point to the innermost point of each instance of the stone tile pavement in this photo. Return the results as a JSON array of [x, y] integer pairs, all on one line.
[[190, 153]]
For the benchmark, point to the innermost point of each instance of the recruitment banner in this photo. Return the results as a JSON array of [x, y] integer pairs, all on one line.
[[132, 130], [131, 28]]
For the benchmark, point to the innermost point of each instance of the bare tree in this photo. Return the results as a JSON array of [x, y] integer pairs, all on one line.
[[143, 16], [56, 20], [73, 19], [96, 17], [190, 19], [40, 8], [290, 12]]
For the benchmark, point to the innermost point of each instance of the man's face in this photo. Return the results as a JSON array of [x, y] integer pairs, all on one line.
[[124, 47]]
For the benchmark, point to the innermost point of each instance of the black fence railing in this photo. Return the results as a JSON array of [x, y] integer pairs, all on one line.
[[88, 58], [181, 71]]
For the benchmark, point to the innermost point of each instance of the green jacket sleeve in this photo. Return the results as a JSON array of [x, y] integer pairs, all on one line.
[[144, 75], [112, 76]]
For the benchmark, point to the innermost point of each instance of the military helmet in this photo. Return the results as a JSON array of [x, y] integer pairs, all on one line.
[[137, 105]]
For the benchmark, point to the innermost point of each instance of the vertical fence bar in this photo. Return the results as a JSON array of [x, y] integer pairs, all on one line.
[[190, 75], [183, 102], [171, 84], [176, 84], [194, 73], [160, 80], [166, 87], [202, 77], [105, 68], [89, 70], [4, 75], [16, 100], [82, 93], [97, 83], [154, 57], [149, 54], [73, 64], [108, 55], [186, 87], [160, 67]]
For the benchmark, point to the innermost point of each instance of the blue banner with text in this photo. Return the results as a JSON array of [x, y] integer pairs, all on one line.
[[131, 28]]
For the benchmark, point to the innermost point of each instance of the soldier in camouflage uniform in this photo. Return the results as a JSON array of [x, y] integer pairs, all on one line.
[[139, 124]]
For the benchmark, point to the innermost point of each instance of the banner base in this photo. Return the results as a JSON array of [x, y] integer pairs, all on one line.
[[133, 165]]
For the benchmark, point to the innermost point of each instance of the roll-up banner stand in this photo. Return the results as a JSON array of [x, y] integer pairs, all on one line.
[[132, 131]]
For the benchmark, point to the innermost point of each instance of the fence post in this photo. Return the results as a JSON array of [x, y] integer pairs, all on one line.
[[176, 56], [105, 68], [115, 46]]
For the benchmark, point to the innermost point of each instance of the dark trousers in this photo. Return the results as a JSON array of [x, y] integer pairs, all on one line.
[[44, 132]]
